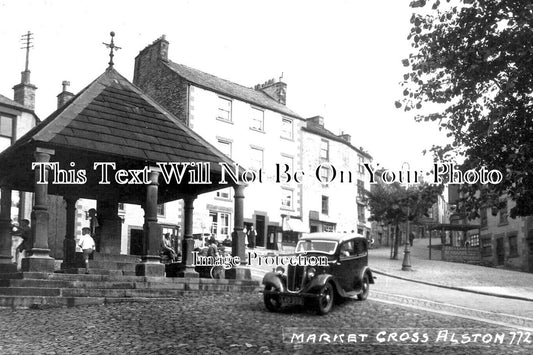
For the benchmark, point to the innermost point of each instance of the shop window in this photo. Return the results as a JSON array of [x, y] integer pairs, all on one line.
[[287, 198], [474, 240]]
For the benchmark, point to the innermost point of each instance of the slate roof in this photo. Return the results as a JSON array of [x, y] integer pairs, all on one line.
[[230, 89], [8, 102], [321, 131], [112, 116]]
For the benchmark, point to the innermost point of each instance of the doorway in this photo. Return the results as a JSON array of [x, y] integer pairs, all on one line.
[[260, 230], [272, 239], [500, 252], [136, 241]]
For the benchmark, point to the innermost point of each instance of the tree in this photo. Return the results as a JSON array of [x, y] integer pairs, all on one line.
[[473, 59], [395, 204]]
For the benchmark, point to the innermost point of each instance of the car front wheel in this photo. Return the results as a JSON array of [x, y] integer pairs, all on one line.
[[326, 298], [366, 289], [272, 302]]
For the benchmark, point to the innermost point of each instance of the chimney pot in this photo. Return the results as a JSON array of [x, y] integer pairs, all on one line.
[[346, 137], [276, 90], [65, 95], [316, 121]]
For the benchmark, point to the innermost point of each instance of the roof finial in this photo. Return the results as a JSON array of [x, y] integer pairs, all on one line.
[[112, 47]]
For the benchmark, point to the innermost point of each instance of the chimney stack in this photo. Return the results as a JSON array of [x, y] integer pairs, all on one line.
[[24, 93], [65, 95], [147, 58], [315, 121], [346, 137], [276, 90]]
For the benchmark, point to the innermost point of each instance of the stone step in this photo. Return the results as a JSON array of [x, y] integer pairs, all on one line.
[[217, 286], [120, 293], [101, 264], [118, 278], [116, 258], [38, 302], [30, 291], [36, 283], [97, 271]]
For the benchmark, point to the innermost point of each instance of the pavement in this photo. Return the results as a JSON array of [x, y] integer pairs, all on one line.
[[460, 276]]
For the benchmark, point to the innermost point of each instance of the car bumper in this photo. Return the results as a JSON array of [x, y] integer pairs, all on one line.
[[292, 294]]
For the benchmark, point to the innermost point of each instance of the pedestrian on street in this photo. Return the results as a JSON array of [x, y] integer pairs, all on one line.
[[212, 250], [87, 245], [94, 228], [251, 237], [411, 238], [24, 232], [166, 248]]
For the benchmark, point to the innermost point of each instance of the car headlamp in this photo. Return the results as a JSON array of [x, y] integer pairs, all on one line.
[[311, 272], [280, 270]]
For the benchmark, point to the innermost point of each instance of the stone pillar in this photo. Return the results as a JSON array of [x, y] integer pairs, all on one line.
[[6, 260], [187, 269], [237, 237], [109, 231], [69, 244], [151, 261], [40, 259], [238, 244]]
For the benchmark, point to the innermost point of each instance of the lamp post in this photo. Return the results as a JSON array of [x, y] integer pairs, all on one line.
[[406, 264]]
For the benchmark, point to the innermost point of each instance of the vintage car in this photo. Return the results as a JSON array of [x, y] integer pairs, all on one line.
[[345, 273]]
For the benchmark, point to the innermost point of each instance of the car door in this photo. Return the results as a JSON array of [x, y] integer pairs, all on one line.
[[361, 258], [348, 262]]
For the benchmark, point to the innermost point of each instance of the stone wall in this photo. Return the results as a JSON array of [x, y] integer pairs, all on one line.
[[461, 254], [162, 84]]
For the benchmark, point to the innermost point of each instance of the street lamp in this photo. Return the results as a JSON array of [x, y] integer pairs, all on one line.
[[406, 264]]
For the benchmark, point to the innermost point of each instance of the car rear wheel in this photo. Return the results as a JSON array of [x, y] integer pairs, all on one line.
[[326, 298], [366, 289], [272, 302]]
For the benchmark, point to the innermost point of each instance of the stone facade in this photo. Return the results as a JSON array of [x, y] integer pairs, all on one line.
[[159, 81], [336, 205], [506, 241], [198, 105], [461, 254], [16, 118]]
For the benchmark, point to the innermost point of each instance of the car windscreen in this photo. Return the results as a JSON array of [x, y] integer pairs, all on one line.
[[316, 246]]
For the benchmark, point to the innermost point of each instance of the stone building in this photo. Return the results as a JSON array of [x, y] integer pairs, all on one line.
[[253, 126], [502, 241], [334, 194], [16, 118], [506, 241]]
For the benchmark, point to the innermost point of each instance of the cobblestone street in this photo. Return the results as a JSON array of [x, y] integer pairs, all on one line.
[[228, 324]]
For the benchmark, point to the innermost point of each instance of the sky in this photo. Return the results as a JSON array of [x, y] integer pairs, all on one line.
[[340, 59]]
